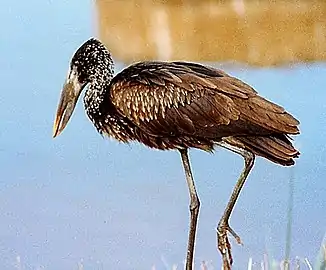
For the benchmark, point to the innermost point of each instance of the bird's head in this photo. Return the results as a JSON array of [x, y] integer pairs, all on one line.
[[91, 62]]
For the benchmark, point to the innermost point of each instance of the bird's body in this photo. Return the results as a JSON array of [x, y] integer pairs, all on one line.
[[178, 105], [173, 105]]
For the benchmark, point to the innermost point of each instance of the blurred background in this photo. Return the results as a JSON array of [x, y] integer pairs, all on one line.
[[260, 33], [83, 202]]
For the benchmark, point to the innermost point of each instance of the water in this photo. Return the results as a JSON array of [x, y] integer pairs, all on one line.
[[80, 199]]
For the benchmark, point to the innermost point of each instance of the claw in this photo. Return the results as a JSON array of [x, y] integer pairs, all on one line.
[[224, 245], [235, 235]]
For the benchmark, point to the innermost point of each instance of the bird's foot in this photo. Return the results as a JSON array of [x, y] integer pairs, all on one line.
[[223, 243]]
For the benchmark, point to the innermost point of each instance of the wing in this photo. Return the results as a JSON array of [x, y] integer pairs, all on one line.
[[179, 98]]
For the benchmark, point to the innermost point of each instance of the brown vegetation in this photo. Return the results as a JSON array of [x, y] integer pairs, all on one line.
[[253, 32]]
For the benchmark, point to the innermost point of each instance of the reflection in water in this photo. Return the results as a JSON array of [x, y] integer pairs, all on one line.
[[254, 32]]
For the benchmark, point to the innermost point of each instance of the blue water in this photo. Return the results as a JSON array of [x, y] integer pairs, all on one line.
[[83, 199]]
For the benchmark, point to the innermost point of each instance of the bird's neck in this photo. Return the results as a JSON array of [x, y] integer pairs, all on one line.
[[95, 93], [97, 88]]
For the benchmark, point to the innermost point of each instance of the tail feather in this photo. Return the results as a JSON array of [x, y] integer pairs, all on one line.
[[276, 148]]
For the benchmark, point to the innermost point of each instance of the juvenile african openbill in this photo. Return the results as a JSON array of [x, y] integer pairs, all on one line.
[[179, 105]]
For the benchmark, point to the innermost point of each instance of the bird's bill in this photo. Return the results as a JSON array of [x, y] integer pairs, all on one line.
[[68, 99]]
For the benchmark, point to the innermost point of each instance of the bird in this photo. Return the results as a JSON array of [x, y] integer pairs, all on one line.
[[179, 105]]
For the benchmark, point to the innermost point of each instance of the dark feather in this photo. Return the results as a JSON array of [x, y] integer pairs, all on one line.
[[180, 104]]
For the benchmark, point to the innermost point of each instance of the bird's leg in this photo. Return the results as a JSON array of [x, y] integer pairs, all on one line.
[[194, 208], [223, 227]]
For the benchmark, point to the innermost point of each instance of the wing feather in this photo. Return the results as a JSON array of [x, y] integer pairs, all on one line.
[[179, 98]]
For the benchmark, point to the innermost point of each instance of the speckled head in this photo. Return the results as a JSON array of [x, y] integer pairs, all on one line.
[[91, 64], [91, 59]]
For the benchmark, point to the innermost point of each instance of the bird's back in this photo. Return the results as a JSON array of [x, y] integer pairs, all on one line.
[[180, 104]]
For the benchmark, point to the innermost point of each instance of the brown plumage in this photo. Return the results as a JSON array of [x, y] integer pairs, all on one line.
[[179, 105]]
